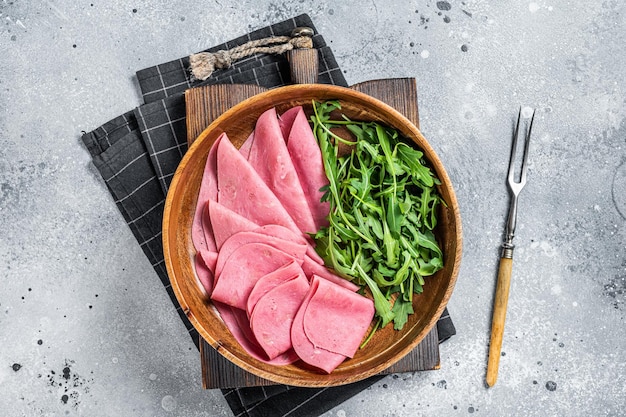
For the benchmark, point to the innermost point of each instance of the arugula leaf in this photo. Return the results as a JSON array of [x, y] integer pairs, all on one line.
[[381, 304], [411, 158], [373, 222], [401, 310]]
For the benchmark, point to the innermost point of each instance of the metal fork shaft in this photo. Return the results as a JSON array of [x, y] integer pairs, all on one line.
[[507, 245]]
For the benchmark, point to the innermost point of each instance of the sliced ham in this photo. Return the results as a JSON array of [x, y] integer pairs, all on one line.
[[293, 249], [304, 348], [313, 255], [207, 229], [270, 159], [210, 259], [243, 322], [336, 319], [267, 282], [208, 191], [244, 149], [311, 267], [273, 315], [237, 323], [285, 120], [241, 190], [281, 232], [284, 233], [307, 159], [204, 274], [245, 266], [226, 222], [254, 258]]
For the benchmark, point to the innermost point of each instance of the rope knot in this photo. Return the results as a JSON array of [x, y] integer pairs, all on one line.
[[221, 59], [302, 42], [203, 64]]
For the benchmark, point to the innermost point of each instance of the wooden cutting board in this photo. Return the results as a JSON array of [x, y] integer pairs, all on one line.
[[203, 105]]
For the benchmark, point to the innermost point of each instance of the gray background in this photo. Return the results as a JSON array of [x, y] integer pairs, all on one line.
[[77, 293]]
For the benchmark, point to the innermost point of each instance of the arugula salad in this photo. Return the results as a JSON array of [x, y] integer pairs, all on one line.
[[383, 205]]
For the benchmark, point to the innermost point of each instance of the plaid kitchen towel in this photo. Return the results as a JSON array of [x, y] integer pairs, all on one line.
[[137, 154]]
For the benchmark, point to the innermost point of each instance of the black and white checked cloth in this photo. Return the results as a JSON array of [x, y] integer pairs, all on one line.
[[137, 154]]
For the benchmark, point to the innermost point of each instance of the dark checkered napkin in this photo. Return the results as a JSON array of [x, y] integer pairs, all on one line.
[[163, 129], [119, 153], [137, 154], [283, 401], [100, 139]]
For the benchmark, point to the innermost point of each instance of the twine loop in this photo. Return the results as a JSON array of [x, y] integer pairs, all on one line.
[[203, 64]]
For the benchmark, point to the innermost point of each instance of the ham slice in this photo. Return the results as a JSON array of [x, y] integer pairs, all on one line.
[[311, 267], [241, 190], [237, 323], [204, 274], [336, 319], [208, 191], [267, 282], [244, 149], [285, 120], [293, 249], [307, 160], [270, 159], [304, 348], [207, 229], [284, 233], [273, 315], [281, 232], [209, 258], [226, 223], [246, 265]]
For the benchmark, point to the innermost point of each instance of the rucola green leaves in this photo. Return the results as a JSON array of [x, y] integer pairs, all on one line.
[[383, 206]]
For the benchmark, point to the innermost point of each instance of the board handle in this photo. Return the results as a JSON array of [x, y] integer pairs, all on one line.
[[304, 65]]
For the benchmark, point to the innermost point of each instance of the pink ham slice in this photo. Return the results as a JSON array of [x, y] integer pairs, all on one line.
[[207, 229], [244, 149], [311, 267], [237, 323], [273, 315], [281, 232], [208, 191], [284, 233], [245, 266], [270, 159], [285, 120], [336, 319], [233, 243], [244, 192], [244, 323], [226, 223], [267, 282], [204, 274], [307, 159], [304, 348], [209, 258]]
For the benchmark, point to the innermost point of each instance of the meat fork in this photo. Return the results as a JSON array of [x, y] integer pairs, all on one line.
[[506, 258]]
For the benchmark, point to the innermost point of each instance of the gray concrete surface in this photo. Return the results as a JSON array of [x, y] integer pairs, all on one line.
[[101, 330]]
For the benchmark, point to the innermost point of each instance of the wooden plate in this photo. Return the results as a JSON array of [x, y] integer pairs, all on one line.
[[387, 346]]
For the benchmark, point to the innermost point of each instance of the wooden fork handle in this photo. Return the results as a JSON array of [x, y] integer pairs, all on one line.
[[499, 317]]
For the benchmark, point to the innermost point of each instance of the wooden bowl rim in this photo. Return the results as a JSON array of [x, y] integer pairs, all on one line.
[[168, 250]]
